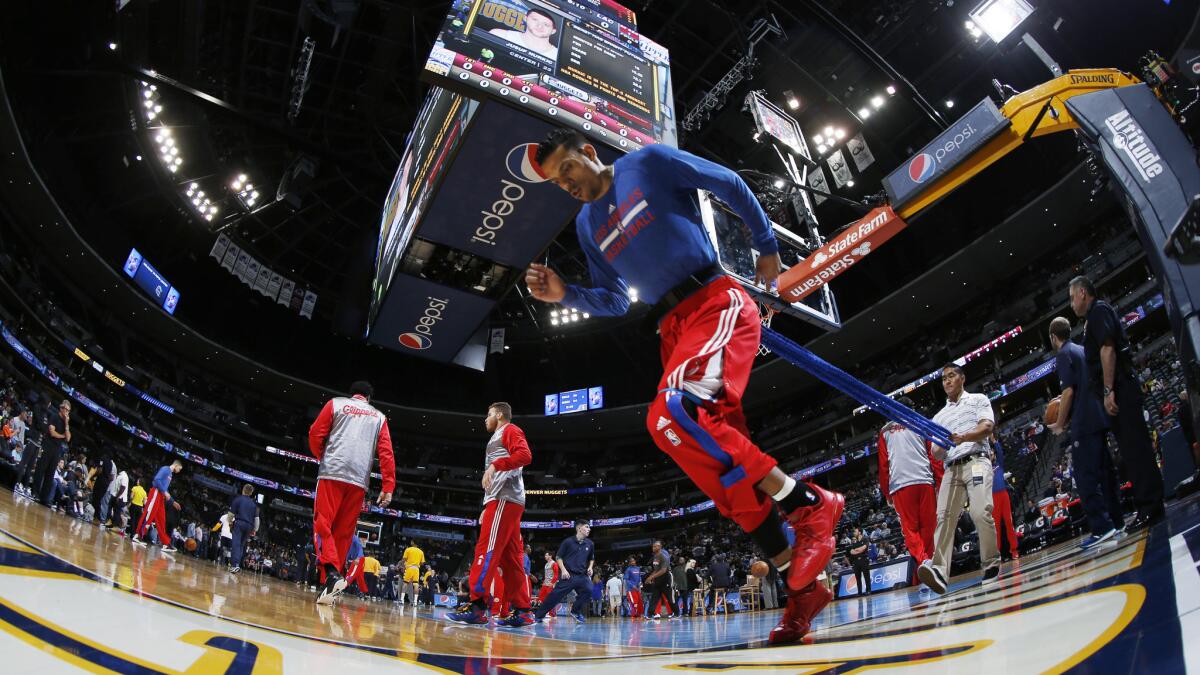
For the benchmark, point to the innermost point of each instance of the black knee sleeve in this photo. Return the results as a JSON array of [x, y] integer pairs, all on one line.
[[769, 535], [690, 407]]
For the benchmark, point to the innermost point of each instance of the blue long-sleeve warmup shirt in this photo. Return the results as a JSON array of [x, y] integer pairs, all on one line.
[[646, 231], [633, 577], [162, 479]]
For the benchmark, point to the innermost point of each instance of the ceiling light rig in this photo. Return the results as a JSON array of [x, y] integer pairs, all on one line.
[[200, 202], [245, 191], [567, 315]]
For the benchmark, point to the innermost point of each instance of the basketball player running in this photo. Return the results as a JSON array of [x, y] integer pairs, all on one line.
[[345, 437], [499, 548], [155, 510], [640, 226]]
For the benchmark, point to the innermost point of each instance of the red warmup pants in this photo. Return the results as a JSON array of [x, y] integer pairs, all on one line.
[[500, 548], [917, 507], [354, 575], [335, 515], [1002, 514], [635, 603], [711, 338], [154, 511], [545, 593]]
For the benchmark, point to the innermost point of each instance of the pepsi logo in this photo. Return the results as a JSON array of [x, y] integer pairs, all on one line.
[[922, 168], [522, 164], [415, 341]]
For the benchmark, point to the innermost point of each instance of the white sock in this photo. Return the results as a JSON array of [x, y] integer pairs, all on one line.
[[789, 484]]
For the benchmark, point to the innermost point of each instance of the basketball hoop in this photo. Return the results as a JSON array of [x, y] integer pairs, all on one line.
[[765, 314]]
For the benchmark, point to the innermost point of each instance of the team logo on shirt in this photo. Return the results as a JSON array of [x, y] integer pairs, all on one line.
[[522, 164]]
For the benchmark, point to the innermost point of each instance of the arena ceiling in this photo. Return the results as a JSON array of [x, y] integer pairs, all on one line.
[[225, 70]]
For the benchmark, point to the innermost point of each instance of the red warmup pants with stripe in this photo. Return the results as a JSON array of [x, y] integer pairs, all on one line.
[[154, 511], [917, 507], [500, 549], [354, 575], [635, 603], [709, 342], [1002, 514], [545, 593], [335, 515]]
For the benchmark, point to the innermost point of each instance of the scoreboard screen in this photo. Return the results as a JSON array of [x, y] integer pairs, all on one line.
[[576, 400], [572, 401], [581, 62], [440, 127], [151, 281]]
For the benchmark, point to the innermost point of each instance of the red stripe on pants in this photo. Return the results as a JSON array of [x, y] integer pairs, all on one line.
[[717, 321], [500, 550], [1002, 515], [335, 514], [154, 511], [917, 507]]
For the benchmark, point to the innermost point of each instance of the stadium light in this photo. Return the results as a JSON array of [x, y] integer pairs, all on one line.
[[633, 294], [891, 90], [950, 103], [877, 101], [999, 18], [779, 183], [839, 133], [112, 46], [864, 113], [793, 101], [818, 139]]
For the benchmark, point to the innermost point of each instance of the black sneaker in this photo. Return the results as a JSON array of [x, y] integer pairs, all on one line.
[[991, 574], [334, 585]]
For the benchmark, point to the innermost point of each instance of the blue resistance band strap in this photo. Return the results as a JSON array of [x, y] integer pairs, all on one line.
[[854, 388]]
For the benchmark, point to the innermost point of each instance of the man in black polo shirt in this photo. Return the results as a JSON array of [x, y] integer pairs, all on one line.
[[575, 558], [1081, 413], [1111, 379]]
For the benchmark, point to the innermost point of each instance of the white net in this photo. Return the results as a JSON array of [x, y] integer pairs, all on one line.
[[765, 315]]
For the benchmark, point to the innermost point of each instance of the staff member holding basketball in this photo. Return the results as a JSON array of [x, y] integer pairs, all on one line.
[[640, 225]]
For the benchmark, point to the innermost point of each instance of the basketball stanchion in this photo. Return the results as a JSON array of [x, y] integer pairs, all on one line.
[[854, 388]]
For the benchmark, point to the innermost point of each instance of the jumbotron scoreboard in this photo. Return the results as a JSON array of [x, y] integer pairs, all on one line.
[[469, 208]]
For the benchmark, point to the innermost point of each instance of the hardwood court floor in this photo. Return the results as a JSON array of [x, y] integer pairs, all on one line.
[[73, 598]]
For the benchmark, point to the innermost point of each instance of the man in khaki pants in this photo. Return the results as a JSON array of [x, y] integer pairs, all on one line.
[[968, 476]]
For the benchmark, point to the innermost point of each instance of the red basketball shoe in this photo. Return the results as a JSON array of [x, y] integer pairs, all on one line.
[[814, 535], [802, 606]]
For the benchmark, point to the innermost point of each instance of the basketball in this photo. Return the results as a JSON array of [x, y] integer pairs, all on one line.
[[1051, 415], [759, 568], [190, 544]]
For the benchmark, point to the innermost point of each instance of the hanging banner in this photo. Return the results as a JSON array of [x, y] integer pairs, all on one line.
[[231, 257], [857, 147], [251, 272], [274, 284], [306, 307], [286, 288], [263, 278], [497, 341], [842, 252], [816, 181], [837, 166], [219, 247]]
